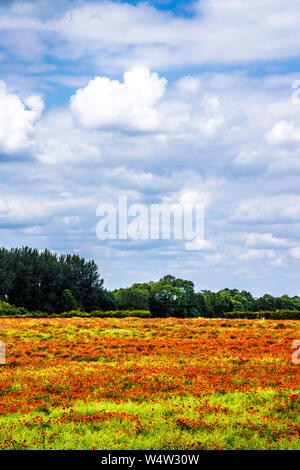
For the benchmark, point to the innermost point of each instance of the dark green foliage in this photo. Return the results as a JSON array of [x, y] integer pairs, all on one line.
[[167, 301], [36, 280], [67, 302], [265, 303], [251, 303], [218, 303], [285, 303], [173, 297], [46, 284], [169, 297], [10, 311], [6, 275], [242, 301], [121, 314], [107, 300], [296, 301], [132, 298], [201, 305], [268, 315]]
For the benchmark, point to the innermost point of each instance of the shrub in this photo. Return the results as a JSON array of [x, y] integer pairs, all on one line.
[[8, 311], [267, 314], [121, 314]]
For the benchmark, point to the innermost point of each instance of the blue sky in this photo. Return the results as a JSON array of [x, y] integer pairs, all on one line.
[[163, 102]]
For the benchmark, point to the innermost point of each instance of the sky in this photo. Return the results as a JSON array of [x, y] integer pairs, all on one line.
[[163, 102]]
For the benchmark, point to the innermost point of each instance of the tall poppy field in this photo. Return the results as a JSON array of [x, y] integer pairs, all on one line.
[[149, 384]]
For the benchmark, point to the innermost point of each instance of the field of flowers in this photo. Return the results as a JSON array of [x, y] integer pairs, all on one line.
[[149, 384]]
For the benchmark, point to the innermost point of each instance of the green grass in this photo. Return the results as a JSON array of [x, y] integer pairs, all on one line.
[[223, 422]]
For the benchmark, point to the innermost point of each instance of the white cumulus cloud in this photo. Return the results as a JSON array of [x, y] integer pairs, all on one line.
[[106, 103], [283, 132], [17, 120]]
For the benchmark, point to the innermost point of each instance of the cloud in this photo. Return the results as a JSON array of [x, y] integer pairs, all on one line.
[[283, 132], [17, 120], [228, 139], [58, 141], [295, 252], [118, 35], [106, 103], [263, 210], [265, 240], [214, 259], [257, 254], [19, 209], [199, 245], [192, 195], [248, 157], [121, 35]]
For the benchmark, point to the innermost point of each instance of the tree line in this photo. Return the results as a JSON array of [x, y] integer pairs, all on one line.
[[46, 282], [176, 297]]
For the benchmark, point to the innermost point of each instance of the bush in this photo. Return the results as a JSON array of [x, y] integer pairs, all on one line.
[[267, 314], [121, 314], [7, 309], [10, 311]]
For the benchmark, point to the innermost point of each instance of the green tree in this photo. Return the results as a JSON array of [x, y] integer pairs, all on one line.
[[240, 303], [132, 299], [143, 285], [296, 302], [67, 301], [285, 303], [266, 303], [167, 301], [189, 309], [35, 280], [201, 305], [218, 303], [6, 275], [250, 300]]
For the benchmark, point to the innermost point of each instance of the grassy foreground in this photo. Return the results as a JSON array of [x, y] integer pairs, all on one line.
[[149, 384]]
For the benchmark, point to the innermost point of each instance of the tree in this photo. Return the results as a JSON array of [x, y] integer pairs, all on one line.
[[6, 275], [67, 301], [35, 280], [285, 303], [201, 305], [189, 308], [107, 300], [296, 302], [240, 303], [167, 301], [132, 298], [250, 300], [218, 303], [266, 303], [143, 285]]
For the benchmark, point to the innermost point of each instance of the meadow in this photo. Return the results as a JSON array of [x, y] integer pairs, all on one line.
[[149, 384]]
